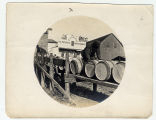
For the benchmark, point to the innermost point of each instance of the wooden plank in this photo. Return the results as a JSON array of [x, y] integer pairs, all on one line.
[[71, 78], [108, 84], [56, 84]]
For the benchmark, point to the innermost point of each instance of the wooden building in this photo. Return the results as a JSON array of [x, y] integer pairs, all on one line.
[[53, 47], [105, 48], [45, 39]]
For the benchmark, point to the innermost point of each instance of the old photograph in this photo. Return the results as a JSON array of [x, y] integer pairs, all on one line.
[[74, 67], [79, 60]]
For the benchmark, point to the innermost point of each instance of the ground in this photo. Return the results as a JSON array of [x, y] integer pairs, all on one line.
[[82, 94]]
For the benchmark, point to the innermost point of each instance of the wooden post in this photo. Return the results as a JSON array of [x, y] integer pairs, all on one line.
[[42, 79], [51, 72], [94, 87], [67, 84]]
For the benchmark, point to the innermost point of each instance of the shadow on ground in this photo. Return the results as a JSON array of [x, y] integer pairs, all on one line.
[[87, 93], [81, 89]]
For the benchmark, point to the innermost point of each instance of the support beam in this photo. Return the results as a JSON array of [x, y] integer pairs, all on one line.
[[51, 72], [94, 87], [67, 84]]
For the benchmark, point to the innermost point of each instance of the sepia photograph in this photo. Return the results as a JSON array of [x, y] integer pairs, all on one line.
[[74, 66], [79, 60]]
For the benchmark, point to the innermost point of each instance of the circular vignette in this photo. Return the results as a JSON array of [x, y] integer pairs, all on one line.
[[79, 61]]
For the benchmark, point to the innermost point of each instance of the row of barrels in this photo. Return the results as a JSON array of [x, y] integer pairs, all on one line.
[[100, 69]]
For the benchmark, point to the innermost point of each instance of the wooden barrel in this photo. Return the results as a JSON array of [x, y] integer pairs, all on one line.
[[90, 68], [118, 71], [76, 65], [103, 69]]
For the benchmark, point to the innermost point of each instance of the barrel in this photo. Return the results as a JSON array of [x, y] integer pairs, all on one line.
[[103, 69], [90, 68], [76, 65], [118, 71]]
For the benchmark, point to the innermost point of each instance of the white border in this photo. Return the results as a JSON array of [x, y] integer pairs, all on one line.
[[3, 3]]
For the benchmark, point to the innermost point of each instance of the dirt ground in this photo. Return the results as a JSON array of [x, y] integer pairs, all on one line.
[[82, 95]]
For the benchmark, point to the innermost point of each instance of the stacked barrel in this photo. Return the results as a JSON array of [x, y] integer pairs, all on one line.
[[102, 70]]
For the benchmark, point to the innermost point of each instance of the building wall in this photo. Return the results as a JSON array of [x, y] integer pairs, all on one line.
[[110, 48], [43, 42]]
